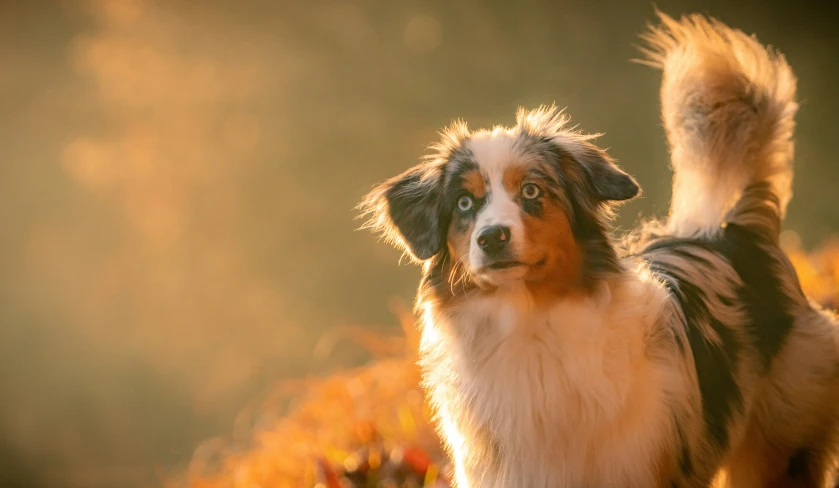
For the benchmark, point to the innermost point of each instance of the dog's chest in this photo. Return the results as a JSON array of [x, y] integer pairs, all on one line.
[[541, 365], [547, 387]]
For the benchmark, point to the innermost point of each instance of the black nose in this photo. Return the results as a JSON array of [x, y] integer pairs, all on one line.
[[493, 239]]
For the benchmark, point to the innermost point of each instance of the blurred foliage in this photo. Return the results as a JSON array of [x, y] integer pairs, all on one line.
[[818, 271], [368, 426]]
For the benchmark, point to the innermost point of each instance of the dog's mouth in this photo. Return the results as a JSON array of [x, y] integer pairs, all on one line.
[[499, 265], [504, 265]]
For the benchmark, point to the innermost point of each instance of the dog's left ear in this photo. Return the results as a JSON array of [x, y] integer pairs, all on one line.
[[605, 180], [406, 210]]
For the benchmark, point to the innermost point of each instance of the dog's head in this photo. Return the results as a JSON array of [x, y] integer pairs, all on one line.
[[510, 204]]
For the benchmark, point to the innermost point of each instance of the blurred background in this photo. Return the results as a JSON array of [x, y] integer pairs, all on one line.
[[177, 183]]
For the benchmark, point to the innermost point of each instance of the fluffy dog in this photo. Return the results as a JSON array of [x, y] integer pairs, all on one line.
[[685, 355]]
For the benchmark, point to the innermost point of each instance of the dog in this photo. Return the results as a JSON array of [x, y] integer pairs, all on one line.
[[684, 354]]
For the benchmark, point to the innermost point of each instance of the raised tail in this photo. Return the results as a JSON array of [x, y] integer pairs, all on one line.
[[728, 107]]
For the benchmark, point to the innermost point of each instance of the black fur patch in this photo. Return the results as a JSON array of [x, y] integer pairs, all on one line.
[[534, 207], [599, 256], [767, 309], [414, 206], [798, 464], [767, 304], [609, 182], [685, 461], [715, 365]]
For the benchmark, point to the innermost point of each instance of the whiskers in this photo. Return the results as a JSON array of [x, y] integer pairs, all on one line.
[[460, 274]]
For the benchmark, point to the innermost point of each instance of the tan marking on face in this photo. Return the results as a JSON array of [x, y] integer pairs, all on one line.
[[549, 237], [513, 177], [473, 182]]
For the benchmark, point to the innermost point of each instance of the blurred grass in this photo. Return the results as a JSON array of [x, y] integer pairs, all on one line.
[[358, 416]]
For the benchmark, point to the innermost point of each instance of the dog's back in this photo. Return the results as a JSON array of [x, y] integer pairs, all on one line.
[[766, 360]]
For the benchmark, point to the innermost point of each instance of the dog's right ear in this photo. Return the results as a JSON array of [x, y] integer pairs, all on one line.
[[406, 210]]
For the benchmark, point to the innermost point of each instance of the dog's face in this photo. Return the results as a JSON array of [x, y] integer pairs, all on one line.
[[505, 205], [510, 217]]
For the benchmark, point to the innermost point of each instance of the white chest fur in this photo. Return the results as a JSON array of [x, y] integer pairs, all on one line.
[[547, 397]]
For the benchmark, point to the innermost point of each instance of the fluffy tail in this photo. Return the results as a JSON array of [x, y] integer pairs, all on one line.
[[728, 106]]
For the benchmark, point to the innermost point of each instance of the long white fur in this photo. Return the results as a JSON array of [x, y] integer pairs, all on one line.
[[561, 386]]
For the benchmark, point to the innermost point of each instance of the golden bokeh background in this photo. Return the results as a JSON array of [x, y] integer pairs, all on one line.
[[177, 183]]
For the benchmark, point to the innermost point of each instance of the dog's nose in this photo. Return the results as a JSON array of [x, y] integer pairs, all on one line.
[[493, 239]]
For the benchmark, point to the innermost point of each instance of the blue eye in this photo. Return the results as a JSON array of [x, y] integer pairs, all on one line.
[[464, 203], [530, 191]]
